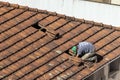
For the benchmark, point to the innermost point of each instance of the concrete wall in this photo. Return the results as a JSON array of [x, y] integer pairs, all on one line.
[[115, 74], [108, 14], [107, 72], [99, 75], [105, 1], [115, 1]]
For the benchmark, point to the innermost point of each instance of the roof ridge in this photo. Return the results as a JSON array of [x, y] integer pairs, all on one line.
[[59, 15]]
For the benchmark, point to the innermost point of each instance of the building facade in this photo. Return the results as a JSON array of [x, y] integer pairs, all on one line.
[[117, 2], [110, 71]]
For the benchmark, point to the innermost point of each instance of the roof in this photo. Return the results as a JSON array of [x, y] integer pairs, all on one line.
[[27, 53]]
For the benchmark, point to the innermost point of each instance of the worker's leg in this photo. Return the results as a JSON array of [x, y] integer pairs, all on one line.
[[87, 55], [94, 58]]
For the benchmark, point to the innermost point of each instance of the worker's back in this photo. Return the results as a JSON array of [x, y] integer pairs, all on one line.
[[85, 47]]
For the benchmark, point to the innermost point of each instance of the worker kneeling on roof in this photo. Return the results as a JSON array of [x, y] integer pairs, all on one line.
[[85, 50]]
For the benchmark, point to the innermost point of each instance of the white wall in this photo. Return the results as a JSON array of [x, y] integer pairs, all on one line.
[[108, 14], [115, 1]]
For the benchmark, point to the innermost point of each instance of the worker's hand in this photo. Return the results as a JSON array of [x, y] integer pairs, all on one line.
[[74, 59], [77, 59], [71, 52]]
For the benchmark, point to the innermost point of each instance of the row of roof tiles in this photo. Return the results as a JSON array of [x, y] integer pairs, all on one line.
[[55, 14], [27, 53]]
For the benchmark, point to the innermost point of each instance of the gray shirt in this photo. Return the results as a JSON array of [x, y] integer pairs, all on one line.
[[85, 47]]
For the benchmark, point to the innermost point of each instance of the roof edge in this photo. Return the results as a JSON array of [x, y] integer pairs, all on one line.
[[7, 4]]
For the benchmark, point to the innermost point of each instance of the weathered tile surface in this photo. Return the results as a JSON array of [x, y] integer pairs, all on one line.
[[27, 53]]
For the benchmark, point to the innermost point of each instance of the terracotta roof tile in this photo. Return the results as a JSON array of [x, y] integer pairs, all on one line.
[[28, 53], [5, 10]]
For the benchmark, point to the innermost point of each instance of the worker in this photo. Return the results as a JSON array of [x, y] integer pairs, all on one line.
[[85, 50]]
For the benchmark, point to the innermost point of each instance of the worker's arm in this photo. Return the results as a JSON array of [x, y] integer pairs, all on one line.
[[76, 59], [71, 53]]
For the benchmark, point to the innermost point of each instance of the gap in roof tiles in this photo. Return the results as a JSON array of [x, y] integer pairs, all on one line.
[[37, 26], [50, 33]]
